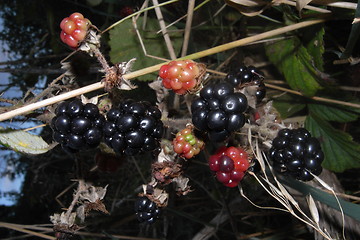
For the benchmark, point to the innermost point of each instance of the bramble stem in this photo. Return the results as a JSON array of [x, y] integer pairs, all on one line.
[[98, 85]]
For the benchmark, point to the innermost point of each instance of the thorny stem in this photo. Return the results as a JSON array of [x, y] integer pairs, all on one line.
[[76, 197], [98, 85], [100, 57]]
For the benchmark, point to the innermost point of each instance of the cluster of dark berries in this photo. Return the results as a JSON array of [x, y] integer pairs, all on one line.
[[229, 165], [133, 127], [77, 126], [219, 111], [146, 210], [296, 153], [250, 74]]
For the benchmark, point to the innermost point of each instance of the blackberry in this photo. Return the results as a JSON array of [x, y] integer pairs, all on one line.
[[250, 74], [243, 74], [219, 111], [294, 152], [133, 127], [77, 126], [146, 210]]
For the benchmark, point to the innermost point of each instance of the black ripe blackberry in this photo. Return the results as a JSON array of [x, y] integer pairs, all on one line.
[[248, 75], [294, 152], [77, 126], [146, 210], [133, 127], [219, 111]]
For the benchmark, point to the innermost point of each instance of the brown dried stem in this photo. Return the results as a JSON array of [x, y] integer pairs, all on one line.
[[98, 85]]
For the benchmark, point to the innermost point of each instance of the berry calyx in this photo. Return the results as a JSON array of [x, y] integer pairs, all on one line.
[[186, 144], [229, 165], [181, 76], [74, 29]]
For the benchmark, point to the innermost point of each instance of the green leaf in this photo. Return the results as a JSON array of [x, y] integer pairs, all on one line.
[[23, 142], [315, 47], [334, 113], [341, 152], [287, 105], [294, 62], [354, 35], [125, 44]]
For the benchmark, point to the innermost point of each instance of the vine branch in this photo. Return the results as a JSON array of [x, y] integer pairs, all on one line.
[[211, 51]]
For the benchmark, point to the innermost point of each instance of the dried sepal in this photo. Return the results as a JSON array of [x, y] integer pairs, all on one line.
[[200, 78], [181, 185], [63, 218], [91, 41], [161, 96], [69, 76], [158, 196], [114, 77], [165, 171], [92, 193], [64, 225], [93, 100]]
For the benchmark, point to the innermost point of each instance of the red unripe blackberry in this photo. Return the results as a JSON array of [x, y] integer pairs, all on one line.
[[229, 165], [74, 29], [181, 76], [186, 144]]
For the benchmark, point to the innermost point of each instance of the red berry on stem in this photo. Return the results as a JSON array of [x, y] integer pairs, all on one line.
[[180, 76]]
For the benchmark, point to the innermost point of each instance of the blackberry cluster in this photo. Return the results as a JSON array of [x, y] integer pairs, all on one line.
[[250, 74], [219, 111], [77, 126], [296, 153], [146, 210], [133, 127]]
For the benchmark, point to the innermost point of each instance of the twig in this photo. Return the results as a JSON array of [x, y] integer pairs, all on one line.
[[18, 228], [320, 99], [76, 197], [11, 226], [137, 13], [167, 39], [188, 27], [98, 85]]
